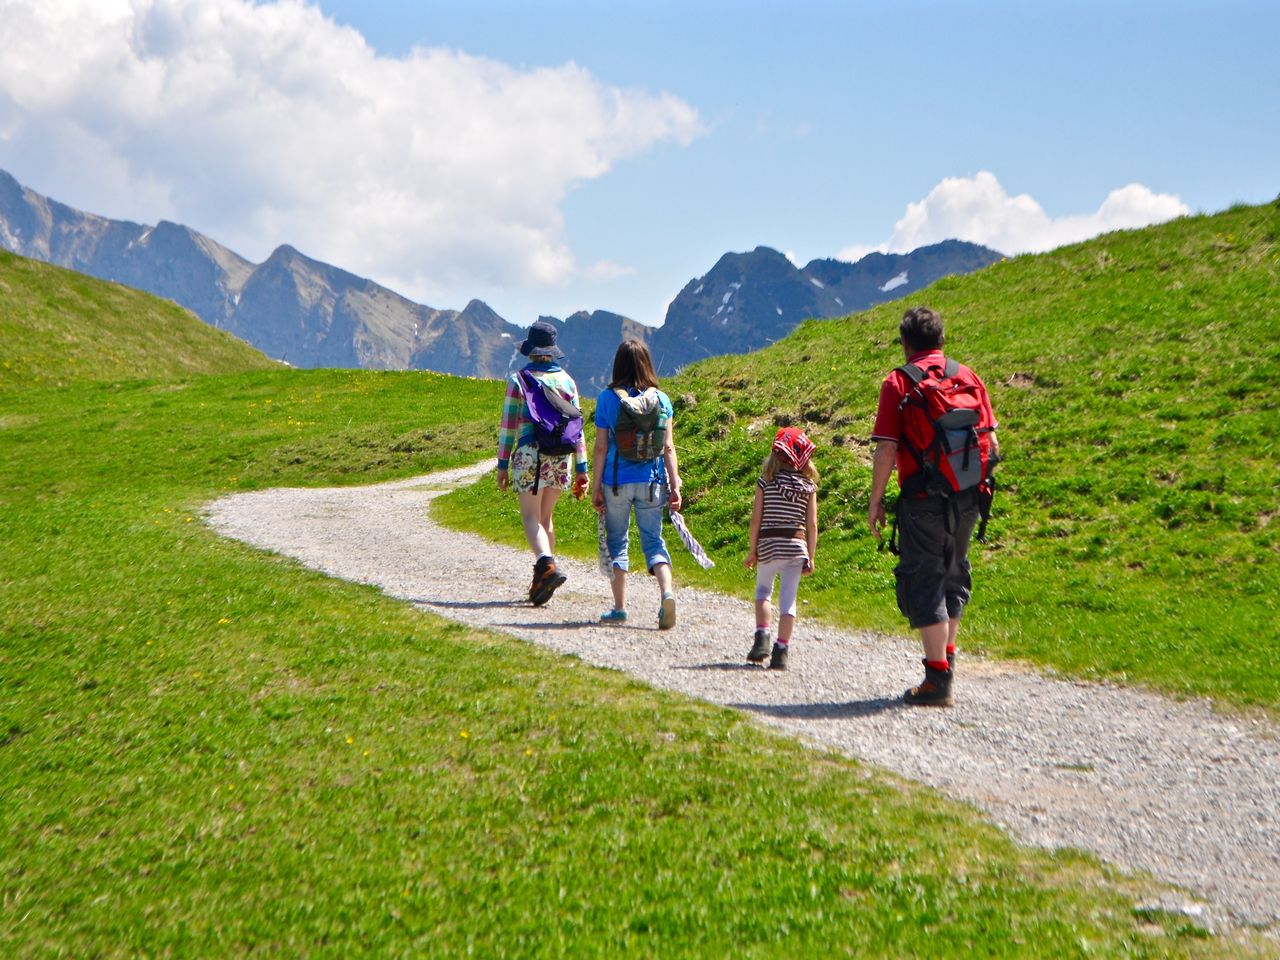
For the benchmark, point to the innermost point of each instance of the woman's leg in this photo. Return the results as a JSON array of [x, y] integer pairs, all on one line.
[[548, 496], [649, 523], [663, 572], [531, 517], [617, 528], [619, 587]]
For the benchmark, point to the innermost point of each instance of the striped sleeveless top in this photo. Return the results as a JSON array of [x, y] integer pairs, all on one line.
[[785, 511]]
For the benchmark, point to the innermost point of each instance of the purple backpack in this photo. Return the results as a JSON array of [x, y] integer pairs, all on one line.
[[557, 423]]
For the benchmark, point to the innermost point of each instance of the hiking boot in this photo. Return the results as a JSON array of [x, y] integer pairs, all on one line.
[[667, 612], [934, 692], [759, 649], [546, 580], [779, 659]]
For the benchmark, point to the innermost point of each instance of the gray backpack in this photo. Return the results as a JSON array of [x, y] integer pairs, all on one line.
[[640, 433]]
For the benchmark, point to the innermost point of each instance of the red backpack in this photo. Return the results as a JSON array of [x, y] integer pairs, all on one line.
[[946, 430]]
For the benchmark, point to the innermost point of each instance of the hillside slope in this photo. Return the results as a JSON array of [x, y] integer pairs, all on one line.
[[58, 326]]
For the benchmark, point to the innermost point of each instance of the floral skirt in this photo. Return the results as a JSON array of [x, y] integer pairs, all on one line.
[[525, 467]]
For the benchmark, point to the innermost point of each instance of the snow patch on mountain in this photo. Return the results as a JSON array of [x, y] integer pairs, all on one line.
[[899, 281]]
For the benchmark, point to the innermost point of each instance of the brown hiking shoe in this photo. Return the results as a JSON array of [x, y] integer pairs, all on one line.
[[546, 580], [934, 692]]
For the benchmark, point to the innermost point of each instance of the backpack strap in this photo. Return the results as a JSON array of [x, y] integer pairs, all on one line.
[[622, 395], [912, 372], [916, 373]]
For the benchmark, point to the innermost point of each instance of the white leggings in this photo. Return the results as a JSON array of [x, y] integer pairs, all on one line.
[[788, 571]]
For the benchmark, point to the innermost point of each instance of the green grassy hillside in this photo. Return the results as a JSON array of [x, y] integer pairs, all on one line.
[[209, 751], [58, 326], [1134, 376]]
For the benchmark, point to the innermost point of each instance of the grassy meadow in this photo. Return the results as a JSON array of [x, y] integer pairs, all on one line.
[[210, 751], [1134, 534]]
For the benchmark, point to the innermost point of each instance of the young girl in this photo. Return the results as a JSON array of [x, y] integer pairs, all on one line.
[[784, 538]]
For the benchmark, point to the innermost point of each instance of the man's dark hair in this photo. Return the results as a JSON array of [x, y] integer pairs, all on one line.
[[921, 327]]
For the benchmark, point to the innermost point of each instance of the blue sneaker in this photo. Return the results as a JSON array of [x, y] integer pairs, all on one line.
[[613, 616], [667, 612]]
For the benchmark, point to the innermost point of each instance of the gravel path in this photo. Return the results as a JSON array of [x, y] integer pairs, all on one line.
[[1144, 782]]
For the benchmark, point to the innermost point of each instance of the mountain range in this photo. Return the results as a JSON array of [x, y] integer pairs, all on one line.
[[313, 314]]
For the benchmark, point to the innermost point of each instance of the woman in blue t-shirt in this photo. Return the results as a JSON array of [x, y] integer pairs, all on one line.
[[630, 483]]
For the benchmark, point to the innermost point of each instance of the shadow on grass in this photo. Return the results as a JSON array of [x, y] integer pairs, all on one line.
[[823, 711]]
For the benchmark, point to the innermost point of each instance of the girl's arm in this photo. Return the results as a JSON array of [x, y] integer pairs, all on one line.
[[598, 455], [673, 468], [811, 531], [753, 533]]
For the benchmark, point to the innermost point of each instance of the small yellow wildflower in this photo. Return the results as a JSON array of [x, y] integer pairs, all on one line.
[[465, 734], [351, 739], [223, 620]]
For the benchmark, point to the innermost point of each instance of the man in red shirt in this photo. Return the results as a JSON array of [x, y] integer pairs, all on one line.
[[934, 530]]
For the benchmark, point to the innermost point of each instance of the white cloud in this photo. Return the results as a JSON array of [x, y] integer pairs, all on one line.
[[263, 123], [979, 210], [855, 252], [607, 270]]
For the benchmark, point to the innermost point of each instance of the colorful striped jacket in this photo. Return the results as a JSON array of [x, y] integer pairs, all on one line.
[[516, 429]]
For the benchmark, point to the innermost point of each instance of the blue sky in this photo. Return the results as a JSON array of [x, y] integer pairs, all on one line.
[[555, 156]]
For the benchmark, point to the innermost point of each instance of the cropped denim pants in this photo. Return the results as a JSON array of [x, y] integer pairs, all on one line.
[[618, 507]]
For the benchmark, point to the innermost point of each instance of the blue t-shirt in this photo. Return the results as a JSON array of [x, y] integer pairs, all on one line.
[[607, 406]]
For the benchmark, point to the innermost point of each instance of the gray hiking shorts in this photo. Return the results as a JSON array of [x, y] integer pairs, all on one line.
[[933, 563]]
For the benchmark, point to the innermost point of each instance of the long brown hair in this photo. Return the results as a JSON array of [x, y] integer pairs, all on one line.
[[632, 366]]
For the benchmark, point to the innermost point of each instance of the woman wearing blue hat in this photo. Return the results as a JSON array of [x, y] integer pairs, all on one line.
[[538, 478]]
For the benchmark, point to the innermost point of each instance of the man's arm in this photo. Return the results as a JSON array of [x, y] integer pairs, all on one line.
[[886, 458]]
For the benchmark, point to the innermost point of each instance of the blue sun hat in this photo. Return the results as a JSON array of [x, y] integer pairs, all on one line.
[[541, 340]]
